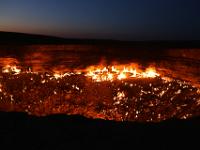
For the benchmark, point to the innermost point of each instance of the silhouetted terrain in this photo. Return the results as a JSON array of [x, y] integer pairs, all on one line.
[[23, 38], [27, 39], [61, 131]]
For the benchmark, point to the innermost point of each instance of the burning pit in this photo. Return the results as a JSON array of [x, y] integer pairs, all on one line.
[[121, 92]]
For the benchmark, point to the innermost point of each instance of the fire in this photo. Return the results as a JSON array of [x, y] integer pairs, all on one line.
[[110, 73], [97, 73], [121, 76], [11, 69], [57, 75], [111, 92], [150, 73]]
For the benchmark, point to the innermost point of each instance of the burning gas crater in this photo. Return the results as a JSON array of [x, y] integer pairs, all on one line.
[[116, 92]]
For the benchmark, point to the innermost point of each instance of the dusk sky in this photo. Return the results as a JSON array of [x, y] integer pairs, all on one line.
[[104, 19]]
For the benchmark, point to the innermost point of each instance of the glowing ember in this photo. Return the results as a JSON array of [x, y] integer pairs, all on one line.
[[57, 75], [116, 92]]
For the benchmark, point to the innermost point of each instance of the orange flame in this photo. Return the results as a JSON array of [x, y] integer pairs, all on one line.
[[98, 73], [11, 69], [118, 72]]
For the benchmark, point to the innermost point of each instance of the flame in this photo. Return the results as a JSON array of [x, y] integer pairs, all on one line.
[[118, 72], [97, 73], [11, 69], [150, 73], [121, 76], [57, 75]]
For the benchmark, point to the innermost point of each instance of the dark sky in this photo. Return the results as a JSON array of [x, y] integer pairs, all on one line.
[[108, 19]]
